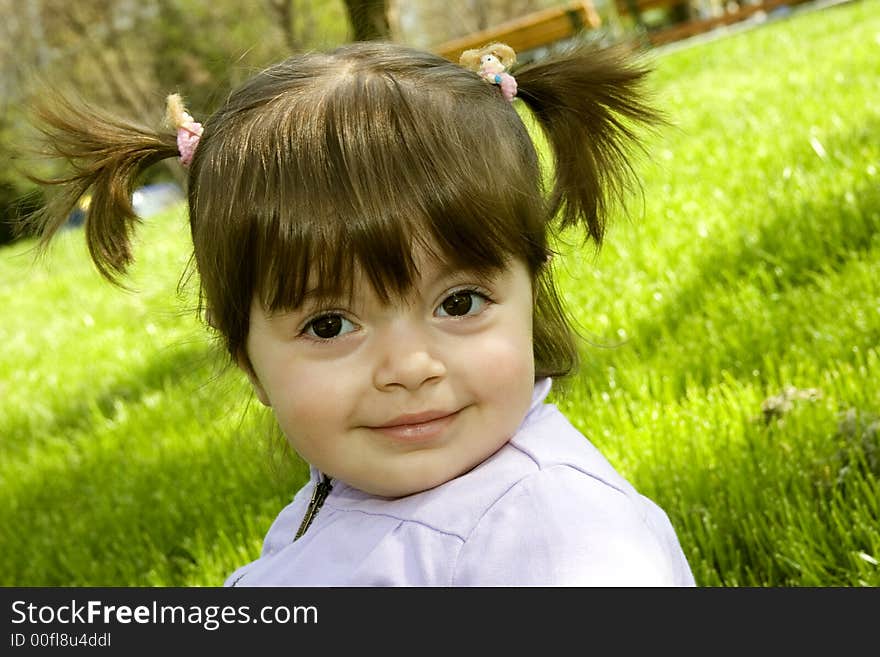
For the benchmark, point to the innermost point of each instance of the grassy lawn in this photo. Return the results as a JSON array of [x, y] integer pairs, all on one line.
[[750, 269]]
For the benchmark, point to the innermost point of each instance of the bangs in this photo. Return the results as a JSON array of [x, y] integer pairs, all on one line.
[[359, 184]]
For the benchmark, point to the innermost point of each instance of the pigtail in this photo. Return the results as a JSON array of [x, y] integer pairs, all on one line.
[[105, 156], [588, 102]]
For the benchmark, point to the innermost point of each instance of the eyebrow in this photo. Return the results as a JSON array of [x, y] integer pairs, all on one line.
[[446, 271], [315, 297]]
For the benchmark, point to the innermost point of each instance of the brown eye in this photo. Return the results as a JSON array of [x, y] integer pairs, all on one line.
[[462, 303], [458, 304], [327, 327]]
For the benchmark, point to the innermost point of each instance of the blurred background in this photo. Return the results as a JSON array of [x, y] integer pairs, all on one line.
[[129, 54]]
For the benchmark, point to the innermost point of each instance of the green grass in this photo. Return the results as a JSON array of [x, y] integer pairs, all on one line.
[[132, 456], [129, 455], [752, 265]]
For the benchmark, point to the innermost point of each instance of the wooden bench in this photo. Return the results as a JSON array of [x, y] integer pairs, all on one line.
[[639, 7], [540, 28], [548, 26], [695, 25]]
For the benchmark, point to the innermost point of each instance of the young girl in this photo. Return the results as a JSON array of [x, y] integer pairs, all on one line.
[[372, 238]]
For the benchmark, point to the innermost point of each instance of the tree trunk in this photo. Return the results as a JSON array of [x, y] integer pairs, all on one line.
[[369, 20]]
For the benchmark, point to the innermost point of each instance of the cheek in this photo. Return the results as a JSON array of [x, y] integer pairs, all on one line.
[[511, 370], [508, 366], [308, 411], [305, 399], [504, 362], [305, 403]]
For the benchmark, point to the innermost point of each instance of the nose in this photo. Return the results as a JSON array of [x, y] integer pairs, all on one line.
[[406, 358]]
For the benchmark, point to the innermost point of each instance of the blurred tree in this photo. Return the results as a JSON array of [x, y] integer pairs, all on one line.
[[309, 24], [369, 19], [127, 55]]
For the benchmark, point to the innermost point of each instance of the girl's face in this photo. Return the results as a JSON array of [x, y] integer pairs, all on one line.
[[395, 399]]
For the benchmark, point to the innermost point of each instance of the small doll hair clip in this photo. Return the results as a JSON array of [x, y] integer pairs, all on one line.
[[491, 63], [189, 131]]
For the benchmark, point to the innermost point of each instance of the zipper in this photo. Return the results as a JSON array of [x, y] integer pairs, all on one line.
[[322, 490]]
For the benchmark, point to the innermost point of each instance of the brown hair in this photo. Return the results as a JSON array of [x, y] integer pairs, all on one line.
[[327, 162]]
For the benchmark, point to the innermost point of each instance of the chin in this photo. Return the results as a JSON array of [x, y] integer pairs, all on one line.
[[408, 484], [408, 488]]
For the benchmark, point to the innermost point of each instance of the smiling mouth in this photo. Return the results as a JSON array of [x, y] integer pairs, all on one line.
[[424, 426]]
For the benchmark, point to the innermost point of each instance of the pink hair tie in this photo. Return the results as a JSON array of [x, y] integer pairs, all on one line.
[[491, 63], [189, 131], [187, 139], [504, 80]]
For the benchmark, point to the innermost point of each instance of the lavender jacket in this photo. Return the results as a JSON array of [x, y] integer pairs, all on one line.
[[547, 509]]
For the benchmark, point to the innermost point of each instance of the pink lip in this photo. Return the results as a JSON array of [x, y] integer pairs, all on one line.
[[417, 426]]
